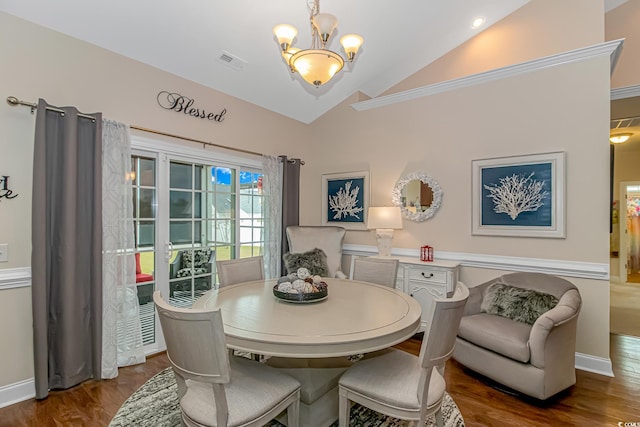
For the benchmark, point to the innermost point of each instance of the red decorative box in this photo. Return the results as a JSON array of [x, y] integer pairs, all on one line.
[[426, 253]]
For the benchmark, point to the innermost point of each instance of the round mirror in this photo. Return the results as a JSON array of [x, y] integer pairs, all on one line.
[[418, 195]]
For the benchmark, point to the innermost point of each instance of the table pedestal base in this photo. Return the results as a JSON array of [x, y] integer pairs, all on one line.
[[318, 387]]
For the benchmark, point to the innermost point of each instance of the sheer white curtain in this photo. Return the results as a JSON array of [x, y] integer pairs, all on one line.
[[272, 188], [121, 327]]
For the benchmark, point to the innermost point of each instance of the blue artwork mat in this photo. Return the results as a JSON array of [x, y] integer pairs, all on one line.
[[348, 200], [517, 195]]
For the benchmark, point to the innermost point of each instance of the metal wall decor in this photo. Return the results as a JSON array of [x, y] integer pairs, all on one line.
[[185, 105], [5, 191]]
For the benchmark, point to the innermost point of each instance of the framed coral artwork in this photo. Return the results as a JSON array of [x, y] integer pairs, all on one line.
[[520, 196], [345, 199]]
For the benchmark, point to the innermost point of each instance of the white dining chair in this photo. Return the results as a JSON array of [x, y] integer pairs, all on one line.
[[401, 385], [240, 270], [381, 271], [217, 390]]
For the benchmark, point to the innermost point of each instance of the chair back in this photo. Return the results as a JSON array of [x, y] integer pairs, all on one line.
[[240, 270], [330, 239], [195, 342], [440, 339], [381, 271]]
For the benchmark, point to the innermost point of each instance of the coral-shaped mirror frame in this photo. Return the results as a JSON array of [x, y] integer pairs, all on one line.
[[396, 196]]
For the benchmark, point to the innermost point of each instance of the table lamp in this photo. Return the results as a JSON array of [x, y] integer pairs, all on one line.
[[384, 220]]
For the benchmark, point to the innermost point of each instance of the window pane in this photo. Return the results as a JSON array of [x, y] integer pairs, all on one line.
[[179, 204], [180, 176], [180, 232], [225, 232], [197, 208], [199, 170], [223, 179], [146, 174], [224, 206], [147, 203], [197, 232], [146, 233]]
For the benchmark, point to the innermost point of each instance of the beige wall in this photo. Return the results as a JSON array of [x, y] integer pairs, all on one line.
[[622, 23], [39, 63], [440, 135]]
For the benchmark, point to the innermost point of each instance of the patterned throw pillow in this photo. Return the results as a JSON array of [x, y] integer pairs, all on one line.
[[199, 266], [315, 261], [521, 305]]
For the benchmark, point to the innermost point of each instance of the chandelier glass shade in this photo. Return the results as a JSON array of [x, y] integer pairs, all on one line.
[[316, 65]]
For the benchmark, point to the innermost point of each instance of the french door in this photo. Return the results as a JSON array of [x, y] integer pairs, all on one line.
[[190, 211]]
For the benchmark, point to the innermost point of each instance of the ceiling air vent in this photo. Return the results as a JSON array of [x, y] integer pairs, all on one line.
[[232, 61]]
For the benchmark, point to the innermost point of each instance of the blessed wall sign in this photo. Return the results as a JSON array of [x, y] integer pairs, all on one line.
[[5, 192], [185, 105]]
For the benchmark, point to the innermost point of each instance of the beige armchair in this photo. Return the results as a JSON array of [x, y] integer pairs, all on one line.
[[535, 359], [330, 239]]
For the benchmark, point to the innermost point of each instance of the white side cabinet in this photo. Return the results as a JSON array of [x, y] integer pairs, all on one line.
[[426, 280]]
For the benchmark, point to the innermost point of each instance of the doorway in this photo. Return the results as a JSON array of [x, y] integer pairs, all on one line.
[[630, 230]]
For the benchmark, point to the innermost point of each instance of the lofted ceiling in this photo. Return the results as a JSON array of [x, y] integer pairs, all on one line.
[[187, 38]]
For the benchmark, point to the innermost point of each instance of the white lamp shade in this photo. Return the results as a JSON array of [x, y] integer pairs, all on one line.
[[351, 43], [325, 23], [389, 217], [285, 34]]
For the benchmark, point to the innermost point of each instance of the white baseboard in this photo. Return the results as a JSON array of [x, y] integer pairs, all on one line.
[[17, 392], [597, 365]]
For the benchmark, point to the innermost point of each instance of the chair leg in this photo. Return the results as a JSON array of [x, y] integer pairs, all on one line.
[[293, 414], [343, 410], [439, 420]]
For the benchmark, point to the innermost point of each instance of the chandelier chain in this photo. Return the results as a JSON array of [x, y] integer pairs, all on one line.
[[314, 8]]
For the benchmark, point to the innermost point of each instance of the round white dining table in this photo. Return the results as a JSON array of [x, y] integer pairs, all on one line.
[[356, 317]]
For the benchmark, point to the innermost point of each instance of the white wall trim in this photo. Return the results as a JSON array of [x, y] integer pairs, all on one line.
[[597, 365], [587, 270], [611, 48], [625, 92], [17, 392], [15, 278]]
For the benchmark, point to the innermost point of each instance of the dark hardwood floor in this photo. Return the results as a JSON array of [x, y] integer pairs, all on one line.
[[595, 400]]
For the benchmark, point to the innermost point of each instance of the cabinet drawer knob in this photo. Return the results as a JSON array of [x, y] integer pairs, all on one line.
[[430, 275]]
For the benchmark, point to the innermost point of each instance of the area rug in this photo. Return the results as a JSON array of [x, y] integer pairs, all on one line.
[[155, 404]]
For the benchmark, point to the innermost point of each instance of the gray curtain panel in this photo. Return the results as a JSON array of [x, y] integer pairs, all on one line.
[[290, 199], [66, 258]]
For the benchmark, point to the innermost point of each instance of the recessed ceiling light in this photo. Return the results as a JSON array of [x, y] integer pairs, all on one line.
[[620, 138], [478, 22]]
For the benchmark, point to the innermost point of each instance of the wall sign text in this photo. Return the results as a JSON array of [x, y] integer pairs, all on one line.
[[5, 192], [182, 104]]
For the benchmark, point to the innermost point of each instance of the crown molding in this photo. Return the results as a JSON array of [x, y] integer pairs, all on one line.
[[625, 92], [611, 48]]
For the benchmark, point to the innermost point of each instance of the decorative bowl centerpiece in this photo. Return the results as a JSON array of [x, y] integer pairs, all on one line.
[[301, 287]]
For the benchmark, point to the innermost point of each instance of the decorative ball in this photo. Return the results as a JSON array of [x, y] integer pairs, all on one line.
[[317, 279], [303, 273]]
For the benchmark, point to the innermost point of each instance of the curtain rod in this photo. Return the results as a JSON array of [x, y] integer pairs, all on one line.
[[13, 101]]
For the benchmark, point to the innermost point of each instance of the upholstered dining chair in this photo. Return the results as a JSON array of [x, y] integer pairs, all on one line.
[[240, 270], [213, 388], [382, 271], [400, 384], [306, 238]]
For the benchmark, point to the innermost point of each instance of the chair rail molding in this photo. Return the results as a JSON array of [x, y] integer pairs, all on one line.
[[15, 278], [611, 49], [585, 270]]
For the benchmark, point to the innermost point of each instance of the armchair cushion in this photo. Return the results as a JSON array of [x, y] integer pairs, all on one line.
[[314, 260], [521, 305], [498, 334]]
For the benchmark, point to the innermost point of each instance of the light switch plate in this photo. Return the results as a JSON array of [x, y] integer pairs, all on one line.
[[4, 252]]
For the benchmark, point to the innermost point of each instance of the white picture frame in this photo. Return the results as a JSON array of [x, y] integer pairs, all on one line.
[[345, 199], [539, 182]]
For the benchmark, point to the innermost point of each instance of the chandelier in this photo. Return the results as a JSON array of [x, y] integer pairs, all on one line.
[[316, 65]]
